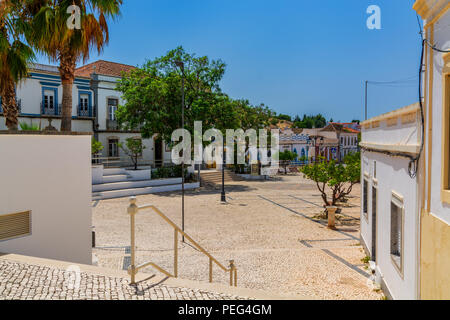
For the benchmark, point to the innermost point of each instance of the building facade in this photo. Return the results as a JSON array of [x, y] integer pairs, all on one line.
[[405, 216], [434, 168], [389, 207], [39, 98], [95, 102]]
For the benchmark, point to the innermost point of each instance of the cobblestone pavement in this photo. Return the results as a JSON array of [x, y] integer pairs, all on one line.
[[272, 229], [19, 281]]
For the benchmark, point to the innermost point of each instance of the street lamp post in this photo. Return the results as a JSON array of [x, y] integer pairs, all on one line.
[[223, 197], [366, 89], [180, 64]]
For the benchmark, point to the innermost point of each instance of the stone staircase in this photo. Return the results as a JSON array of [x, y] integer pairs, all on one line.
[[118, 184], [214, 177]]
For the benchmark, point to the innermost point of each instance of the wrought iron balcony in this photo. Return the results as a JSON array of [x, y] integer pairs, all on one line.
[[55, 111], [84, 113]]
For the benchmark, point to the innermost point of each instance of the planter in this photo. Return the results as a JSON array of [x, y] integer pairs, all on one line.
[[139, 175], [332, 217], [97, 174]]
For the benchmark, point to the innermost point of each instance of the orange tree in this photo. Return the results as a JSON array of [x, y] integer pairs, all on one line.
[[339, 177]]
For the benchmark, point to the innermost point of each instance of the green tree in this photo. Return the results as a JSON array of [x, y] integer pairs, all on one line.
[[284, 117], [285, 159], [310, 122], [96, 146], [14, 57], [153, 97], [340, 178], [153, 93], [51, 36], [134, 149]]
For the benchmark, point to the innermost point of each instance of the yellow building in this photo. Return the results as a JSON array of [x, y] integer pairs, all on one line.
[[434, 173]]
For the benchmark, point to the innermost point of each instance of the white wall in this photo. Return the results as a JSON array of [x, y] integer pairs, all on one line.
[[50, 175], [30, 92], [392, 175], [77, 125], [106, 90]]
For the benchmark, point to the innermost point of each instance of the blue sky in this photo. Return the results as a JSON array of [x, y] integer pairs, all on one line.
[[295, 56]]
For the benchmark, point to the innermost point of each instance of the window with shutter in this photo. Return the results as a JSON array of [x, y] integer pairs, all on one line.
[[397, 217]]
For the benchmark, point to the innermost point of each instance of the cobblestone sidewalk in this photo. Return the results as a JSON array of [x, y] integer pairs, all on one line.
[[19, 281]]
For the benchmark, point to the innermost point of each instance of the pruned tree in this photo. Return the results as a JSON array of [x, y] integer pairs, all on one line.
[[340, 178], [133, 148], [285, 159]]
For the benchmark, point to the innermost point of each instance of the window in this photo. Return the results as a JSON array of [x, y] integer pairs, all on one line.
[[397, 231], [113, 148], [49, 100], [84, 102], [112, 108], [374, 219], [365, 197], [374, 169]]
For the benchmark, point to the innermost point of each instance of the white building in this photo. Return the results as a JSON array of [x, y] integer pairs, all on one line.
[[389, 219], [95, 102], [405, 219], [297, 141], [40, 96]]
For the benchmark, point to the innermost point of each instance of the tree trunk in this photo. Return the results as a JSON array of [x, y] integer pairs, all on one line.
[[9, 106], [67, 65]]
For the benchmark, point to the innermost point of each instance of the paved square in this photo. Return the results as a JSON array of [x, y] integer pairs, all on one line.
[[269, 228]]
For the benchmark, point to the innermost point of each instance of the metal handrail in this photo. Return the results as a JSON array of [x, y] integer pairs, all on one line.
[[133, 209]]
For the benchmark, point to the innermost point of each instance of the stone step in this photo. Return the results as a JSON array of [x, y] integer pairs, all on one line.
[[113, 171], [133, 184], [113, 194], [115, 178], [95, 274]]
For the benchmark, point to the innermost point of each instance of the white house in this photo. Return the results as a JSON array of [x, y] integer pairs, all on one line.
[[103, 77], [389, 205], [40, 96], [405, 218], [95, 102]]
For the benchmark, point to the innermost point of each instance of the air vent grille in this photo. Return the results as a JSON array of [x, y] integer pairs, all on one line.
[[15, 225]]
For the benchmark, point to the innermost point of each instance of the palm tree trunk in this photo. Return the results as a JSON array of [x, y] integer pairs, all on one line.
[[67, 65], [9, 106]]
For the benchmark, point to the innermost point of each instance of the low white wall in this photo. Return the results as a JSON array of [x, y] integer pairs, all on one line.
[[392, 175], [97, 174], [50, 175], [139, 175]]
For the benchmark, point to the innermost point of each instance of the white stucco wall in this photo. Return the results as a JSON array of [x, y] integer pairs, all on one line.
[[77, 125], [106, 90], [392, 176], [30, 92], [50, 175]]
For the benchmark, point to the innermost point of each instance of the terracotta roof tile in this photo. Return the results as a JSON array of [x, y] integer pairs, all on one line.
[[103, 67]]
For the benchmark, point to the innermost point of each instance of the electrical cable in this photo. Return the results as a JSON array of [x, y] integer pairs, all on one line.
[[414, 160]]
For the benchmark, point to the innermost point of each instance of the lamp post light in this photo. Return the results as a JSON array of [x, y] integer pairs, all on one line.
[[223, 196], [180, 64]]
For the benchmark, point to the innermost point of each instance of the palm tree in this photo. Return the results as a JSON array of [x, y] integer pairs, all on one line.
[[52, 37], [14, 58]]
